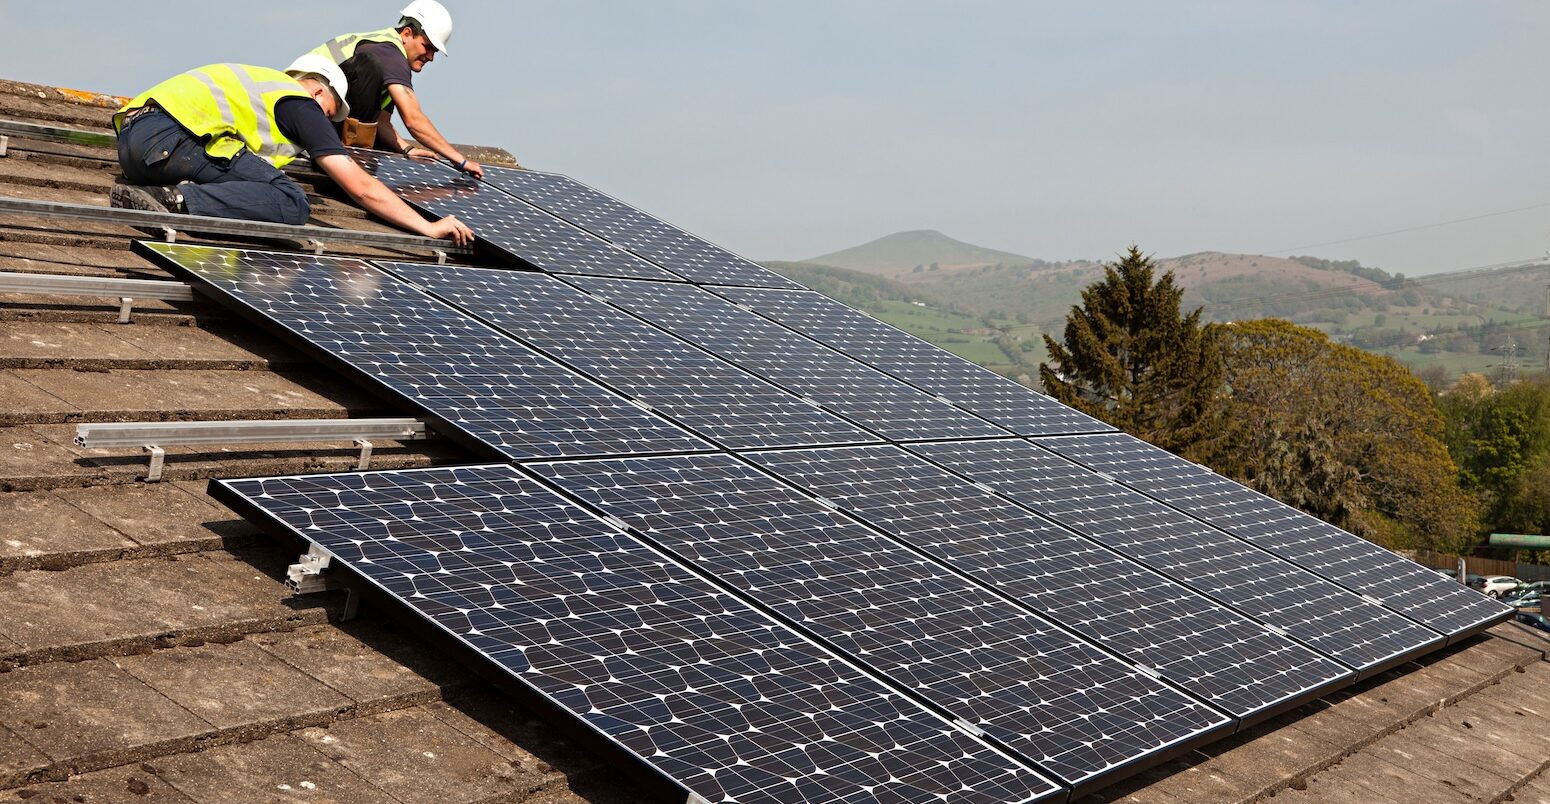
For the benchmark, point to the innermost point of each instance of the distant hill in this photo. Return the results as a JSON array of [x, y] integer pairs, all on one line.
[[899, 254], [992, 306]]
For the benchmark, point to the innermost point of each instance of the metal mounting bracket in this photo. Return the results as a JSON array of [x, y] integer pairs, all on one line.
[[124, 303], [170, 234], [365, 454], [441, 257], [158, 457], [307, 576], [316, 245], [5, 143]]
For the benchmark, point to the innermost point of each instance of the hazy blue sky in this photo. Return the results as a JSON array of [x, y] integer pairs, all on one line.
[[1060, 130]]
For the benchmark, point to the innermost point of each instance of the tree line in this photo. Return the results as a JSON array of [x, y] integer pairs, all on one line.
[[1349, 436]]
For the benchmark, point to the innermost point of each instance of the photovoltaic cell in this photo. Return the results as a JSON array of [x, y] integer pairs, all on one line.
[[857, 392], [1332, 620], [667, 245], [930, 368], [1208, 650], [508, 224], [1350, 561], [1057, 699], [700, 391], [688, 679], [498, 392]]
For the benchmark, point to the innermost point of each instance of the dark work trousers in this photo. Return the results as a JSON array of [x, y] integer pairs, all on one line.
[[153, 148]]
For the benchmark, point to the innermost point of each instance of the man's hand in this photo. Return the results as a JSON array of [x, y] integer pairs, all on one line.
[[452, 229], [474, 169]]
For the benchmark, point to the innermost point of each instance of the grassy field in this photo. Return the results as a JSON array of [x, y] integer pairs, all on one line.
[[943, 329]]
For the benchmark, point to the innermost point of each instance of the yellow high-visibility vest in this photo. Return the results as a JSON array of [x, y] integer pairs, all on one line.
[[342, 47], [229, 106]]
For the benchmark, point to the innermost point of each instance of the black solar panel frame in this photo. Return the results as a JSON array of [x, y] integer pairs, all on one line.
[[1056, 444], [443, 425], [658, 784]]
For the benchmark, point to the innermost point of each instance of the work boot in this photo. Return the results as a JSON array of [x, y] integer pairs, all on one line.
[[148, 198]]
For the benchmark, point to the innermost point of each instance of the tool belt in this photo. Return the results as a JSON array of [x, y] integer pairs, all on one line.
[[357, 134]]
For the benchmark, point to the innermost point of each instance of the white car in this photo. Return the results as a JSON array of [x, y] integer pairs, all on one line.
[[1498, 585]]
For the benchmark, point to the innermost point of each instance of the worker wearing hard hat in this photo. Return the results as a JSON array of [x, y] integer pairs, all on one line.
[[211, 141], [380, 66]]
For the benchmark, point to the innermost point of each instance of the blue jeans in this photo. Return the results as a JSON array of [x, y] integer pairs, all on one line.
[[153, 148]]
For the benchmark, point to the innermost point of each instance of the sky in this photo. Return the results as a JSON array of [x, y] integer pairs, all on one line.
[[1056, 130]]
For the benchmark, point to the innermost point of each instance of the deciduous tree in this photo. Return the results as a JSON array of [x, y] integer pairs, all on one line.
[[1344, 434]]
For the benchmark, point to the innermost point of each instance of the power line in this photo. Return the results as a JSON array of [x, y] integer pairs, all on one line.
[[1412, 229]]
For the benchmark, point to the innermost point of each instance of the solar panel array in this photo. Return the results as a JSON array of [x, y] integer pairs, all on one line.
[[1205, 648], [854, 390], [667, 245], [1334, 621], [996, 665], [772, 549], [500, 394], [1352, 562], [584, 618], [930, 368], [704, 393], [505, 224]]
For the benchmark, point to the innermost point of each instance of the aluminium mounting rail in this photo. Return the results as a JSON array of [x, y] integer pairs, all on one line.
[[154, 436], [170, 222], [125, 290]]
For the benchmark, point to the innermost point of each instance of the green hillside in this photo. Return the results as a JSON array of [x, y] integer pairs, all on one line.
[[995, 312], [905, 252]]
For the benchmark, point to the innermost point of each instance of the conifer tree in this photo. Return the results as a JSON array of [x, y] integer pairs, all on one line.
[[1131, 359]]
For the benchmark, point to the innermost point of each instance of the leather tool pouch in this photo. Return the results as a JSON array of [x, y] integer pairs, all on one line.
[[357, 134]]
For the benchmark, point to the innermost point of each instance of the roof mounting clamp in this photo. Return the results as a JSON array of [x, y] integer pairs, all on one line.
[[124, 303], [5, 143], [158, 459], [170, 234], [365, 461], [441, 256], [307, 576], [316, 245]]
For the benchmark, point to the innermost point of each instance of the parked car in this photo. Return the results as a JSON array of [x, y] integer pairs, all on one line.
[[1539, 621], [1526, 601], [1498, 585]]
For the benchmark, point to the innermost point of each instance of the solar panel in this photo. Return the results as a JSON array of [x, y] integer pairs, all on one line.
[[1340, 624], [857, 392], [1206, 649], [667, 245], [1076, 710], [509, 225], [1348, 560], [585, 621], [698, 390], [921, 364], [497, 394]]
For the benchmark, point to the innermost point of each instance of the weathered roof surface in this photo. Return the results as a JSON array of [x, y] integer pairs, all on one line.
[[149, 650]]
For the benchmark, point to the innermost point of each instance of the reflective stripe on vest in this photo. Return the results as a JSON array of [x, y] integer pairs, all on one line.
[[229, 106], [341, 48]]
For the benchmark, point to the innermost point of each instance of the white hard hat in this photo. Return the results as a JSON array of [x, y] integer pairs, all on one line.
[[324, 67], [434, 21]]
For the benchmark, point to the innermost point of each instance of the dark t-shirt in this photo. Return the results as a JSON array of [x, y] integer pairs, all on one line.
[[301, 120], [388, 61]]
